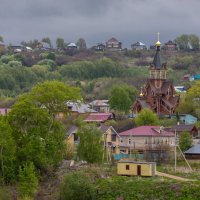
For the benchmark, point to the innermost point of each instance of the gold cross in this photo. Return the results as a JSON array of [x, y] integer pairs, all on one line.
[[158, 36]]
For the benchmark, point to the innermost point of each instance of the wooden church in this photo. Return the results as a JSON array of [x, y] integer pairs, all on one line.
[[158, 94]]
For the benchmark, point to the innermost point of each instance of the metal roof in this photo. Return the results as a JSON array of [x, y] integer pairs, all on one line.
[[193, 150]]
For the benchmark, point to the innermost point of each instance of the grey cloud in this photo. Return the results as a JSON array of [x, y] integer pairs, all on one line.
[[98, 20]]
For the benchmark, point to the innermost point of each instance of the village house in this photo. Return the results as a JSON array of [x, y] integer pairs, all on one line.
[[158, 94], [193, 153], [72, 138], [138, 46], [170, 47], [101, 106], [190, 128], [79, 108], [110, 139], [43, 46], [75, 109], [71, 46], [99, 117], [99, 47], [113, 44], [183, 118], [16, 48], [134, 168], [143, 138]]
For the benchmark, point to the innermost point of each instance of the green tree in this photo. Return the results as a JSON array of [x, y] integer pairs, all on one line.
[[32, 43], [182, 42], [28, 181], [7, 152], [194, 41], [191, 99], [38, 135], [7, 58], [185, 141], [60, 43], [53, 95], [77, 186], [31, 132], [14, 64], [146, 117], [81, 44], [90, 147], [1, 38], [121, 98], [47, 40]]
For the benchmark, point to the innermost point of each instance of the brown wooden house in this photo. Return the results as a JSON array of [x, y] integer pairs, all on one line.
[[113, 44], [158, 94], [170, 47], [190, 128]]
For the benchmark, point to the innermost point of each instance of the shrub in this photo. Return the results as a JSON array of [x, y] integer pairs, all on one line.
[[77, 186], [28, 182], [48, 62]]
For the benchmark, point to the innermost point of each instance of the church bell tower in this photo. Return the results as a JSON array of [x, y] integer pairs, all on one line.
[[158, 70]]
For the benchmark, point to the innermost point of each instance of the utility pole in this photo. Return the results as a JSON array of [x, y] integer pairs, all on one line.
[[175, 152], [130, 146]]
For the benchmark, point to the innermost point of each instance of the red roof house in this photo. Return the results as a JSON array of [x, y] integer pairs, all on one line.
[[143, 137], [98, 117]]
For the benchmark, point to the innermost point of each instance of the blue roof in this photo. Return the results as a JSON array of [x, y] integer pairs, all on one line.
[[193, 150], [197, 76]]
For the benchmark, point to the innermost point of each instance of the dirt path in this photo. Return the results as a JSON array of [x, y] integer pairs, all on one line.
[[172, 176]]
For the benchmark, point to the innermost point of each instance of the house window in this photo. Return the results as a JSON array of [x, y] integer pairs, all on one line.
[[121, 140], [145, 140], [113, 138], [127, 167], [129, 141]]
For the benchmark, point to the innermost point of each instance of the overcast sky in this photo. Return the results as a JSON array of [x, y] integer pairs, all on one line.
[[98, 20]]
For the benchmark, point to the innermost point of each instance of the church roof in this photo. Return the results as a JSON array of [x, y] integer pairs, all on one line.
[[165, 86], [143, 103], [157, 59], [174, 100]]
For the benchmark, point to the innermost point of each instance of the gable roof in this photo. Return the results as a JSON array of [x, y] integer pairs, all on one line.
[[193, 150], [183, 127], [99, 103], [73, 129], [154, 131], [143, 103], [98, 117], [138, 44], [104, 128], [80, 107], [112, 40], [72, 45], [170, 43]]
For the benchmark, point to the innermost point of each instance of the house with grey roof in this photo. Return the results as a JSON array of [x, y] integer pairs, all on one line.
[[138, 46], [193, 152]]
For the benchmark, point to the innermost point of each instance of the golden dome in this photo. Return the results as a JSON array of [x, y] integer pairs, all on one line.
[[158, 43]]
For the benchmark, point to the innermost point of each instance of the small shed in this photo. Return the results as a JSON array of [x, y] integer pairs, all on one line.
[[193, 152], [134, 168]]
